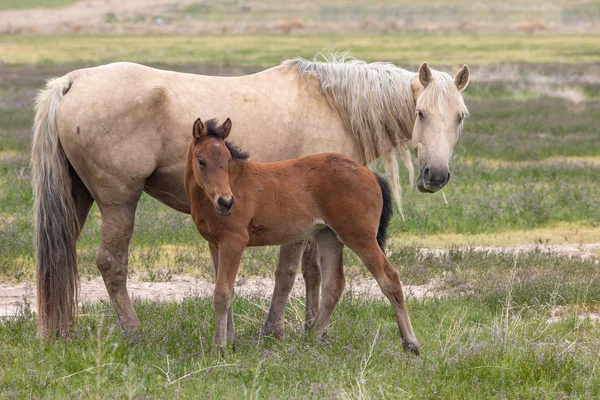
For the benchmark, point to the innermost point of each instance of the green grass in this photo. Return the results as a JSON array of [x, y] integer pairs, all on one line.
[[523, 162], [492, 344], [23, 4], [268, 50]]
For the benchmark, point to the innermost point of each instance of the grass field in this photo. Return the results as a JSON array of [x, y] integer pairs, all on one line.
[[486, 345], [24, 4], [526, 170], [267, 50]]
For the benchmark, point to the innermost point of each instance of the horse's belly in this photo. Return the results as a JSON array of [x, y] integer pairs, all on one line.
[[283, 234]]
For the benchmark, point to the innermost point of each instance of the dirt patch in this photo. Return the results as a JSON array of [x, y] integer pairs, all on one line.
[[92, 290], [564, 313], [584, 251], [180, 286]]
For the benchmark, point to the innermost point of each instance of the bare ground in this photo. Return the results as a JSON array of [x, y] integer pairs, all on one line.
[[12, 297]]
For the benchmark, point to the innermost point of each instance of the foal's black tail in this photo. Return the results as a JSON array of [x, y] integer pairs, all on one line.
[[386, 212]]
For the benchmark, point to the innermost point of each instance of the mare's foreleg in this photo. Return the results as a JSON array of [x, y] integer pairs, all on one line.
[[285, 275], [229, 257]]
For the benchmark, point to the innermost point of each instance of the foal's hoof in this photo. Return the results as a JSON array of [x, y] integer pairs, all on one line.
[[272, 331], [413, 348]]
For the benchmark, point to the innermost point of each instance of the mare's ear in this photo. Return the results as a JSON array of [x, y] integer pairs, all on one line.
[[462, 78], [424, 74], [198, 128], [225, 128]]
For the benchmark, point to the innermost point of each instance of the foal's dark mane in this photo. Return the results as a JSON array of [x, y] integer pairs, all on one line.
[[213, 130]]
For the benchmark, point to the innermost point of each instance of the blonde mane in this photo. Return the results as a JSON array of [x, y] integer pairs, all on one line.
[[375, 102]]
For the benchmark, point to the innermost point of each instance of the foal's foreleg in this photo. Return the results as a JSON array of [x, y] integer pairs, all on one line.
[[230, 255], [285, 275], [214, 252]]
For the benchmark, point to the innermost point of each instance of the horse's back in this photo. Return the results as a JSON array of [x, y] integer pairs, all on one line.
[[328, 181], [112, 124], [344, 190], [126, 126]]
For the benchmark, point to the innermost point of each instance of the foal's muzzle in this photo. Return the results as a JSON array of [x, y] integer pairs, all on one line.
[[431, 180], [224, 204]]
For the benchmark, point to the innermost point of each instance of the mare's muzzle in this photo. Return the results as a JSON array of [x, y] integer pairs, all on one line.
[[224, 205], [431, 180]]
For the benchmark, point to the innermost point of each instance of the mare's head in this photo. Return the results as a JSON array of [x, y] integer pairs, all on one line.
[[440, 114], [212, 155]]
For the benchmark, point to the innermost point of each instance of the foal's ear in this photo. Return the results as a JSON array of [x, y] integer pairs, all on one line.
[[225, 128], [462, 78], [198, 128], [424, 74]]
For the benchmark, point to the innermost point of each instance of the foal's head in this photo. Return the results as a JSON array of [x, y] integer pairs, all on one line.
[[441, 112], [211, 165]]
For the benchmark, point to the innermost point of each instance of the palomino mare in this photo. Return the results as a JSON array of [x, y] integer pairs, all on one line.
[[109, 133], [237, 203]]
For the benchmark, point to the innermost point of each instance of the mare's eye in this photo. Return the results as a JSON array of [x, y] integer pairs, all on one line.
[[201, 163], [420, 114]]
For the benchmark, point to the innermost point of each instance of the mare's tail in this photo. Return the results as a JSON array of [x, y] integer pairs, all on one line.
[[386, 212], [56, 227]]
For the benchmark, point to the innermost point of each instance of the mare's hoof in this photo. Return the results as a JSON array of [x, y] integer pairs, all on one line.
[[133, 335]]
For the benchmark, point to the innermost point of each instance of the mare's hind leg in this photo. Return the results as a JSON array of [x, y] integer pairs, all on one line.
[[117, 228], [365, 246], [82, 198], [311, 272], [285, 275], [332, 268], [214, 252]]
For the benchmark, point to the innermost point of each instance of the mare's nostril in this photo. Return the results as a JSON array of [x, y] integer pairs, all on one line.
[[426, 174]]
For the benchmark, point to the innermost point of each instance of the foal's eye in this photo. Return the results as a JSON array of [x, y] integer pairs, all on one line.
[[201, 163]]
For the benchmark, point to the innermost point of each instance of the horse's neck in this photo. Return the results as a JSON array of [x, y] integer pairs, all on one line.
[[239, 170]]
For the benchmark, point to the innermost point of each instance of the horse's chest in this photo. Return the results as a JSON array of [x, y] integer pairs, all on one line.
[[204, 230]]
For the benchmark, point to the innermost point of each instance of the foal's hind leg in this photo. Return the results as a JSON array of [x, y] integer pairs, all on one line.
[[117, 228], [311, 272], [285, 275], [389, 282], [332, 268]]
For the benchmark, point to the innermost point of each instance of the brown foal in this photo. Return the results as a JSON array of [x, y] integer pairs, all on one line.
[[236, 203]]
